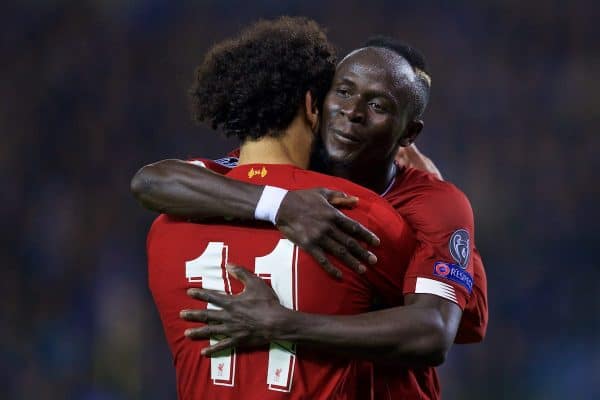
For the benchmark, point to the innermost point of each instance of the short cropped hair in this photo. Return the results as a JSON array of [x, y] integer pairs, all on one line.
[[416, 60], [254, 84]]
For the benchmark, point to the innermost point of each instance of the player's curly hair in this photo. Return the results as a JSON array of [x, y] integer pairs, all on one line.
[[253, 85]]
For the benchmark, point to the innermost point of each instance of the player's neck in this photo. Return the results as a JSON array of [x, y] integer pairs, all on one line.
[[376, 177], [291, 147]]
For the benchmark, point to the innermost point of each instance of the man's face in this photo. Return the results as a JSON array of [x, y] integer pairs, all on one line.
[[366, 111]]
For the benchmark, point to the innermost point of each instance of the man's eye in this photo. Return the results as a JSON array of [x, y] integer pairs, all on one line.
[[342, 92], [377, 107]]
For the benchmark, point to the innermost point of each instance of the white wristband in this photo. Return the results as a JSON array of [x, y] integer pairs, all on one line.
[[268, 204]]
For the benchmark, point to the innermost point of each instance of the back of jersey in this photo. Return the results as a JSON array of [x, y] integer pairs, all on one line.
[[183, 255]]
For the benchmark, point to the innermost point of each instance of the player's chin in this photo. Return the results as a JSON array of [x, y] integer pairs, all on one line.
[[341, 154], [343, 158]]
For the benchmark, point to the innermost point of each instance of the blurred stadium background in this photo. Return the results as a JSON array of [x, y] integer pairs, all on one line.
[[92, 90]]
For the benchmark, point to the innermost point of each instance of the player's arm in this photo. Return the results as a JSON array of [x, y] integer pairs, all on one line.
[[419, 333], [446, 260], [410, 156], [182, 189], [306, 217]]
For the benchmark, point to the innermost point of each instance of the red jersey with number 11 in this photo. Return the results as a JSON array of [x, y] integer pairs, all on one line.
[[183, 255]]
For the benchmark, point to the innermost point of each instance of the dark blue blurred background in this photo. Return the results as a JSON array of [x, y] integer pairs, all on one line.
[[92, 90]]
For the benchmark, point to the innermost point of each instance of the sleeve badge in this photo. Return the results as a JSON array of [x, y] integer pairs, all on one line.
[[460, 247]]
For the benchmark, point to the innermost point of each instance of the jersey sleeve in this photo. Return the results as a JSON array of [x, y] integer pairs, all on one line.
[[473, 324], [442, 263]]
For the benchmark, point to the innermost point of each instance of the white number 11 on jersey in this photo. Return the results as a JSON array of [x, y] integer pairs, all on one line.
[[280, 267]]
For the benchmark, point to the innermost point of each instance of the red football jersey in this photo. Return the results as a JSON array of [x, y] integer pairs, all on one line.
[[442, 219], [183, 255], [435, 210], [445, 263]]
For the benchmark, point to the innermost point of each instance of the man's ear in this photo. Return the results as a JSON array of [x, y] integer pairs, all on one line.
[[413, 128], [311, 111]]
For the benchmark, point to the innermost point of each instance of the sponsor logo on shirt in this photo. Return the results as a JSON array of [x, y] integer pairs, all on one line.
[[459, 246], [454, 273], [262, 172]]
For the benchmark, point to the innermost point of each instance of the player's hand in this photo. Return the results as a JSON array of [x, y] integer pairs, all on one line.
[[410, 156], [248, 319], [310, 219]]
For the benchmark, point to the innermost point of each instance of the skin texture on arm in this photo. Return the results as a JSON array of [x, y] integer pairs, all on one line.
[[419, 333], [306, 217], [181, 189]]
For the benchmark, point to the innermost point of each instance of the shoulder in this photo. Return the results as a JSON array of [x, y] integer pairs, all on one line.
[[377, 213], [157, 226], [341, 184], [168, 231], [411, 181], [428, 203], [158, 230]]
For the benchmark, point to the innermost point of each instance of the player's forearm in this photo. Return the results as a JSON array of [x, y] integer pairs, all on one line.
[[179, 188], [409, 335]]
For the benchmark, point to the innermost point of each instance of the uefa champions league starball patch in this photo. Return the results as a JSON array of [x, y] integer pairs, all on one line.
[[460, 248]]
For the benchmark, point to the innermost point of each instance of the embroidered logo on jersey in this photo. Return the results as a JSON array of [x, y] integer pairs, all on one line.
[[442, 269], [262, 172], [228, 162], [454, 273], [460, 247]]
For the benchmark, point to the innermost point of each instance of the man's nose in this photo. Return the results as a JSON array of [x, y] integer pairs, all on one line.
[[353, 112]]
